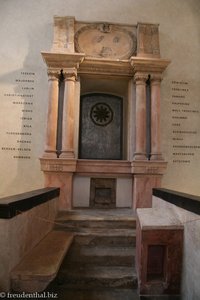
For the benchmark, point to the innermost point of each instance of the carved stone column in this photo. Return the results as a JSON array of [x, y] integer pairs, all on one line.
[[68, 114], [51, 133], [155, 117], [140, 149]]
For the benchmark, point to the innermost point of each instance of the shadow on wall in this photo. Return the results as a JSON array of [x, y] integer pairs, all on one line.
[[26, 101]]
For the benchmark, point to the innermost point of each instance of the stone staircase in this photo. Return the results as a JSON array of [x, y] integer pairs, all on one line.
[[100, 264]]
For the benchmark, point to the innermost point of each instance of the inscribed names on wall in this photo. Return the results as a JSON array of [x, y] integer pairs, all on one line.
[[19, 100], [184, 116]]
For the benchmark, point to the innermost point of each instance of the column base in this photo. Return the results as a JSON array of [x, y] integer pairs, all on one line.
[[49, 154], [139, 156], [67, 154], [156, 156]]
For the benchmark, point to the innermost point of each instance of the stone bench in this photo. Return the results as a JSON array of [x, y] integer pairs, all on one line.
[[40, 266]]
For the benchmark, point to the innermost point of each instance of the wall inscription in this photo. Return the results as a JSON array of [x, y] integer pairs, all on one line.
[[183, 128], [20, 101]]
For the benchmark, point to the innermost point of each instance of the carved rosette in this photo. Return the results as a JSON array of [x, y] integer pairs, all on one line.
[[105, 41]]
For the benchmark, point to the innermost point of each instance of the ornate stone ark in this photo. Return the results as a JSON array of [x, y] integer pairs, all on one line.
[[100, 73]]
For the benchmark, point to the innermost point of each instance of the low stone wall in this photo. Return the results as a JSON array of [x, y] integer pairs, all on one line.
[[189, 216], [24, 220]]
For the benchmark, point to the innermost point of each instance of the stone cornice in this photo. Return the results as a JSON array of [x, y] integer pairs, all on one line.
[[155, 65], [62, 60], [84, 166], [105, 66]]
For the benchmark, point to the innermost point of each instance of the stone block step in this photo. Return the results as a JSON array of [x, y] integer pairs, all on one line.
[[95, 224], [41, 265], [117, 218], [98, 277], [98, 294], [106, 237], [104, 256]]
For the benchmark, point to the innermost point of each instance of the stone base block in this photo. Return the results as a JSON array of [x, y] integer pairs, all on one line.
[[159, 243]]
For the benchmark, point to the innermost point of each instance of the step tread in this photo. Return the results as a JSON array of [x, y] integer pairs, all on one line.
[[102, 231], [97, 215], [108, 251], [104, 272]]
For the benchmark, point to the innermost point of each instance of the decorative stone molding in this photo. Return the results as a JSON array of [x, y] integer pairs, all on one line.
[[70, 74], [156, 78], [63, 34], [58, 165], [104, 40], [149, 65], [140, 78], [148, 167], [53, 73], [62, 60], [103, 167], [148, 40], [106, 67]]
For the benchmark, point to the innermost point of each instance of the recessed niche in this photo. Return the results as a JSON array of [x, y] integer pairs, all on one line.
[[103, 193]]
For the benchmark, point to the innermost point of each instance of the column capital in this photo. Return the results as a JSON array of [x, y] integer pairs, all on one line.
[[156, 78], [53, 74], [140, 78], [70, 74]]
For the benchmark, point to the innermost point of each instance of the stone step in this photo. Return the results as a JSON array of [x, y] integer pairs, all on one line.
[[97, 294], [90, 277], [41, 265], [105, 237], [77, 219], [104, 256]]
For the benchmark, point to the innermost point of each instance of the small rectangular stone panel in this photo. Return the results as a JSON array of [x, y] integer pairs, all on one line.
[[103, 193]]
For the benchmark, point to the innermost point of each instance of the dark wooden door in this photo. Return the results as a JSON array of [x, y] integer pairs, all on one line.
[[100, 127]]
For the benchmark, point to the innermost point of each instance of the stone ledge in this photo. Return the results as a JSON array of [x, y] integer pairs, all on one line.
[[13, 205], [185, 201], [40, 266], [151, 218]]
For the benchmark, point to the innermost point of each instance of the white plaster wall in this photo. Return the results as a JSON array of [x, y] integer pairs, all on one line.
[[191, 252], [124, 192], [20, 234], [81, 191], [27, 29]]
